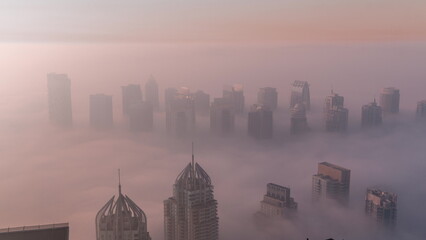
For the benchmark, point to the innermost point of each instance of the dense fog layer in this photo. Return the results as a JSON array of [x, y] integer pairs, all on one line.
[[50, 175]]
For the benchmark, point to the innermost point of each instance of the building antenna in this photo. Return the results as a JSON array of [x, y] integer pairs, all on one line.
[[119, 182], [193, 161]]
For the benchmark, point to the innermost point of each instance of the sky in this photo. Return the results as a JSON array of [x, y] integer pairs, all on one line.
[[212, 21]]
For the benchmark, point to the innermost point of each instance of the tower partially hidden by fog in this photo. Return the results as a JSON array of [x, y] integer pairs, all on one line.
[[277, 202], [381, 206], [152, 93], [389, 100], [141, 116], [336, 116], [101, 115], [222, 119], [202, 102], [59, 99], [132, 94], [121, 219], [371, 115], [299, 122], [191, 214], [268, 97], [331, 182], [180, 113], [235, 95], [260, 122], [300, 94], [421, 110]]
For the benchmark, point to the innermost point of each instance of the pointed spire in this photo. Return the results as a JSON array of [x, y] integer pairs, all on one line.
[[193, 158], [119, 182]]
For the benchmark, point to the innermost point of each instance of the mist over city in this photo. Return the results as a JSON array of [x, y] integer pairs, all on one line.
[[254, 180]]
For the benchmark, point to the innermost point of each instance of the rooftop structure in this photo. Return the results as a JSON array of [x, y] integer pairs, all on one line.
[[331, 182], [277, 202], [39, 232]]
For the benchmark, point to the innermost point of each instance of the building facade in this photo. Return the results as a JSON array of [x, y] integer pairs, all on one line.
[[300, 94], [277, 202], [299, 122], [235, 95], [101, 114], [180, 114], [141, 116], [202, 102], [331, 182], [59, 99], [191, 213], [40, 232], [121, 219], [152, 93], [336, 116], [268, 97], [389, 100], [371, 115], [222, 118], [132, 94], [260, 122], [381, 206]]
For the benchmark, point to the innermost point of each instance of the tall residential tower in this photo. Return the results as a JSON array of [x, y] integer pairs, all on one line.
[[331, 182], [300, 94], [389, 100], [381, 206]]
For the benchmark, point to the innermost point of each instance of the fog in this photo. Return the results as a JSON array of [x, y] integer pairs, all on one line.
[[50, 175]]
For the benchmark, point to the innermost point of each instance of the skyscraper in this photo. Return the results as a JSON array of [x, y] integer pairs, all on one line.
[[277, 202], [371, 115], [59, 99], [235, 95], [202, 102], [40, 232], [222, 119], [421, 110], [131, 94], [299, 122], [389, 100], [331, 182], [268, 97], [141, 116], [151, 93], [191, 214], [381, 206], [260, 122], [121, 220], [180, 114], [101, 116], [336, 116], [300, 94]]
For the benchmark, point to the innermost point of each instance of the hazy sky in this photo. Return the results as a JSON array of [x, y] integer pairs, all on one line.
[[212, 20]]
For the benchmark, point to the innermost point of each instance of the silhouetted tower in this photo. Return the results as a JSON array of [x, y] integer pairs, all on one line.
[[389, 100], [121, 220], [169, 95], [59, 99], [222, 119], [300, 94], [202, 102], [141, 117], [151, 93], [371, 115], [299, 122], [268, 97], [180, 114], [421, 110], [381, 206], [235, 95], [191, 213], [132, 94], [336, 116], [260, 122], [101, 115]]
